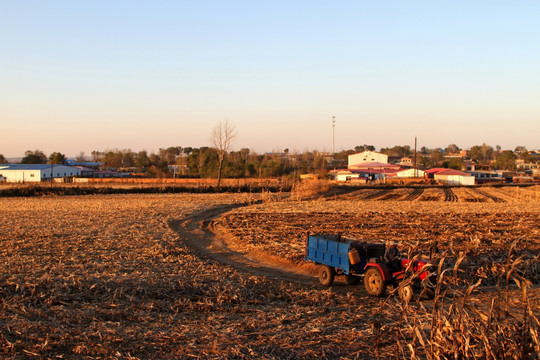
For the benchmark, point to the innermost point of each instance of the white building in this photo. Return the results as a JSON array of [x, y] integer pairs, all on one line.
[[454, 177], [486, 176], [410, 173], [368, 157], [21, 173], [345, 175]]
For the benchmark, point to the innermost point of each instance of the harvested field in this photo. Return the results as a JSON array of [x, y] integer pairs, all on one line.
[[123, 276], [484, 229], [105, 276], [437, 193]]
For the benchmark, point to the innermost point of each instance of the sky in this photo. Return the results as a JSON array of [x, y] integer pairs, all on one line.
[[79, 76]]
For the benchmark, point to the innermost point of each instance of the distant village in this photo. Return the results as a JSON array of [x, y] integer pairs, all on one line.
[[362, 165]]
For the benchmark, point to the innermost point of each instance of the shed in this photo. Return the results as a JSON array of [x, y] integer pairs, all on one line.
[[345, 175], [453, 177]]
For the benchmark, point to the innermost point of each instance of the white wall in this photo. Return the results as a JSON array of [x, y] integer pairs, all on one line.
[[367, 157], [346, 177], [21, 175], [409, 173], [60, 171], [455, 179], [468, 180]]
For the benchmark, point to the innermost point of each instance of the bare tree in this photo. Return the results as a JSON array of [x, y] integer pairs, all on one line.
[[222, 137]]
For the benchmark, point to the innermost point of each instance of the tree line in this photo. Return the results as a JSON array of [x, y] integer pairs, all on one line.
[[206, 162]]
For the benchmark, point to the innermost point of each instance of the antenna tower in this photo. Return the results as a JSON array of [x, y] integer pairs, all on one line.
[[333, 135]]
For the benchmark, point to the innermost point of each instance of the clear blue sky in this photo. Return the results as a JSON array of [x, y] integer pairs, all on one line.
[[95, 75]]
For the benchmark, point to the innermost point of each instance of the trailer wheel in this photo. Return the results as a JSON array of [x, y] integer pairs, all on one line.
[[326, 275], [374, 283], [353, 280]]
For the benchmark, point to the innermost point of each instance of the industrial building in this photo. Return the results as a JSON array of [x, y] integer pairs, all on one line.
[[21, 173], [367, 157]]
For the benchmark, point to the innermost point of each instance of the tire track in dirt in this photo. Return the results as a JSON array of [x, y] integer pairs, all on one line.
[[490, 196], [199, 234], [449, 195], [377, 194], [415, 194]]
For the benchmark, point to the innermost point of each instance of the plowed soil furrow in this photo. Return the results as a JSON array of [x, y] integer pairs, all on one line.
[[352, 195], [449, 195], [490, 196], [415, 194], [377, 194], [391, 195]]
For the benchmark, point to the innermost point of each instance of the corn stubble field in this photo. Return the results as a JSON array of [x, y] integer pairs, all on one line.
[[109, 276]]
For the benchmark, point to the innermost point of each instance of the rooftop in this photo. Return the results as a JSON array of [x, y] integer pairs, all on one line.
[[27, 166]]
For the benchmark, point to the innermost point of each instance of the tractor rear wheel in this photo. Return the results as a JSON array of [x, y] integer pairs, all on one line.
[[374, 282], [353, 280], [326, 275]]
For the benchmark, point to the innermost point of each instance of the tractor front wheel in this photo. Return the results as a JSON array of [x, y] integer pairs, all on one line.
[[374, 282], [326, 275], [406, 293]]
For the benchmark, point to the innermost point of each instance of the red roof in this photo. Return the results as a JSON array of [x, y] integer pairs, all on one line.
[[374, 166], [452, 172], [435, 170]]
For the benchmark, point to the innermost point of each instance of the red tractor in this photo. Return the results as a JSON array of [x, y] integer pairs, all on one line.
[[410, 279]]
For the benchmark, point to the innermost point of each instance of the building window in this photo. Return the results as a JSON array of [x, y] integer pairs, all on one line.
[[31, 175]]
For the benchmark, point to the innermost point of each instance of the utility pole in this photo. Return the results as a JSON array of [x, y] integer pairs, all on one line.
[[333, 135], [415, 168]]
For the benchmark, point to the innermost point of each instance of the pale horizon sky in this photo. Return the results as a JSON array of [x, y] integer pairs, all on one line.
[[78, 76]]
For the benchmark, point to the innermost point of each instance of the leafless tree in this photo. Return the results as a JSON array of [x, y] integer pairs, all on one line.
[[222, 137]]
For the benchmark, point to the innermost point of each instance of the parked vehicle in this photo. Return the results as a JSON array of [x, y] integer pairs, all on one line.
[[354, 258]]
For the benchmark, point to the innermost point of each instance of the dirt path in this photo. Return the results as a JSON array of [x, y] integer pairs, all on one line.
[[197, 233]]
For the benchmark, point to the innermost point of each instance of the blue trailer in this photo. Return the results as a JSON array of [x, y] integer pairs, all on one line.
[[340, 255], [354, 258]]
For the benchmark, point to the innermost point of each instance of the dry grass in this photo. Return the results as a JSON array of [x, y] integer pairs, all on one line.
[[463, 324], [307, 189]]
